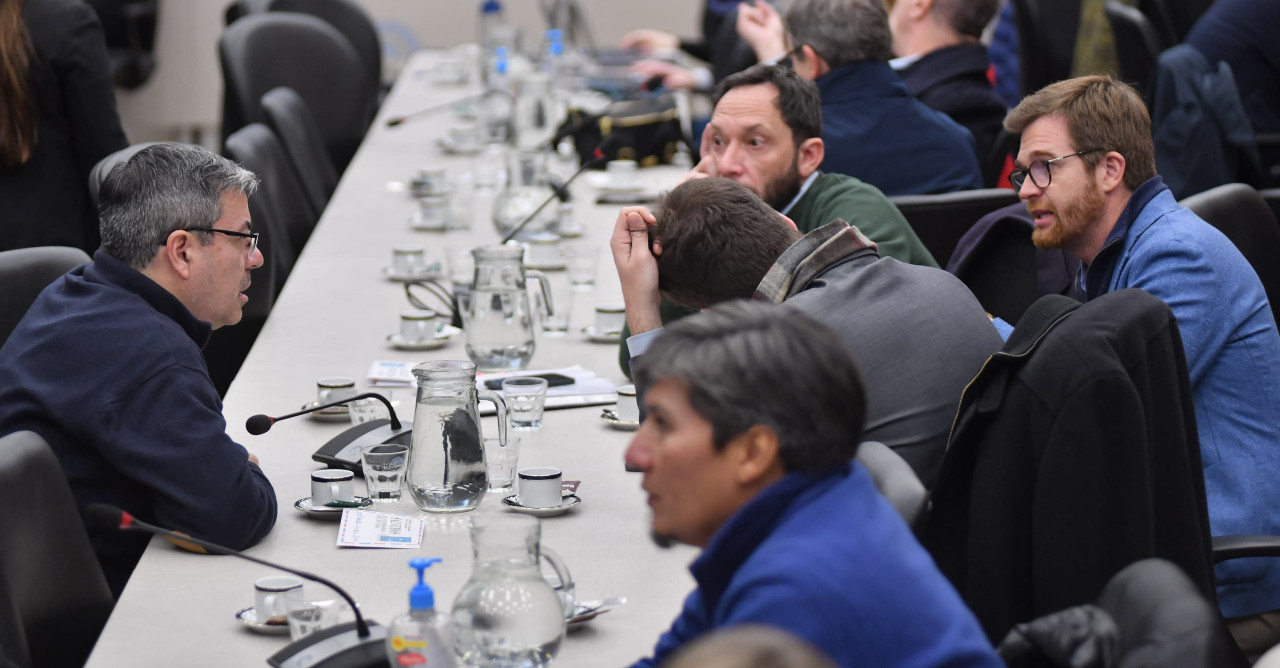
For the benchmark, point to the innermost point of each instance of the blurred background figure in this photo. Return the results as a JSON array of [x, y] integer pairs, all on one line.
[[720, 47], [57, 119], [749, 646]]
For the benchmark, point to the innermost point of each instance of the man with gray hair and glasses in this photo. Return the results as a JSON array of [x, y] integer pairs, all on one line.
[[753, 416], [106, 364]]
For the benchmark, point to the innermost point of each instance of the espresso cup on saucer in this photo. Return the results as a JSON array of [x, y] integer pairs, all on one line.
[[433, 212], [542, 250], [540, 487], [623, 174], [336, 388], [330, 485], [628, 409], [610, 318], [408, 260], [271, 596], [429, 181], [418, 325]]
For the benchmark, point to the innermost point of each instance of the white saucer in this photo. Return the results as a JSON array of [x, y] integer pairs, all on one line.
[[415, 222], [432, 271], [331, 414], [610, 418], [327, 512], [249, 617], [513, 502], [449, 148], [442, 337], [554, 266], [604, 183], [600, 337]]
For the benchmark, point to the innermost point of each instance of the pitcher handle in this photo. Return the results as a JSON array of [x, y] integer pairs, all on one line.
[[546, 289], [500, 404], [566, 591]]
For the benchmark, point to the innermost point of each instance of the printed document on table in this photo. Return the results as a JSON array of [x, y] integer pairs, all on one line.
[[368, 528]]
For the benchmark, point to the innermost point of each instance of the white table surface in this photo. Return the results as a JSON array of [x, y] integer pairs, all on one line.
[[332, 319]]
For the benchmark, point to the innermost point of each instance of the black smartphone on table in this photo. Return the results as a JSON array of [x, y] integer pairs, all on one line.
[[553, 380]]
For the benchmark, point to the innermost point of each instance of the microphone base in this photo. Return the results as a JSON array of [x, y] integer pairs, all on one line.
[[343, 451], [336, 647]]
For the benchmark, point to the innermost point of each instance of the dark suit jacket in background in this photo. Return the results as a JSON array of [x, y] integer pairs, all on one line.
[[46, 201], [953, 80]]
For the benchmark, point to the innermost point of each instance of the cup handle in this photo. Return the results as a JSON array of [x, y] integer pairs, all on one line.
[[335, 492], [546, 289], [500, 404]]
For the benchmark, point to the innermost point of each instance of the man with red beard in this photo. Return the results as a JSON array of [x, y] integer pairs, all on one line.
[[1086, 170], [106, 364]]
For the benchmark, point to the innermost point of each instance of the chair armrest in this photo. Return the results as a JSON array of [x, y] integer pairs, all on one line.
[[1236, 547]]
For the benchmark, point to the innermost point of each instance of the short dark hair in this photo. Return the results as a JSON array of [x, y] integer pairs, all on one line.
[[718, 241], [967, 17], [163, 188], [840, 31], [798, 100], [749, 363]]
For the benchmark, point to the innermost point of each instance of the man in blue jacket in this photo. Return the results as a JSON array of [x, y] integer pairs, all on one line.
[[106, 364], [753, 419], [1086, 170]]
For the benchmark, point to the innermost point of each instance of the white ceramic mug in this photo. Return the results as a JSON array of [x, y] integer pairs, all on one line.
[[434, 212], [610, 318], [622, 174], [408, 260], [430, 181], [540, 487], [418, 325], [271, 596], [335, 388], [628, 409], [329, 485]]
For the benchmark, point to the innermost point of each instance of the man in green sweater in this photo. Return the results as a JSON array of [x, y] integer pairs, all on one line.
[[766, 134]]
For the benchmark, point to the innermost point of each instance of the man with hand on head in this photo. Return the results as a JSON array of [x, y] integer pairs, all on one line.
[[106, 364], [753, 417], [873, 128], [917, 333], [765, 134], [1087, 172]]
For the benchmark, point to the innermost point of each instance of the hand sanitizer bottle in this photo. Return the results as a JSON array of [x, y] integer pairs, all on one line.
[[421, 637]]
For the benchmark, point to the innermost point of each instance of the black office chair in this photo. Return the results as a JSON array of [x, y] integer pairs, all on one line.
[[1241, 213], [351, 20], [1149, 614], [129, 28], [281, 203], [1046, 40], [1174, 18], [24, 273], [289, 117], [262, 51], [940, 220], [1272, 198], [1138, 43], [54, 599], [99, 172], [894, 479]]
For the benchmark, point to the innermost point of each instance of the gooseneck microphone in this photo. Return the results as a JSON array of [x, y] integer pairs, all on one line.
[[398, 120], [261, 424], [597, 156], [327, 647]]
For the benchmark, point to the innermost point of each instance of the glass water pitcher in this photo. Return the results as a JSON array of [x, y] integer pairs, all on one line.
[[499, 322]]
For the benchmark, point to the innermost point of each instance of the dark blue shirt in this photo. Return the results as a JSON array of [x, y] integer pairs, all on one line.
[[106, 366], [877, 132]]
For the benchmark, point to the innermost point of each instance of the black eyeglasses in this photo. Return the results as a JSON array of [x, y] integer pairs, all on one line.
[[251, 236], [1039, 171], [788, 60]]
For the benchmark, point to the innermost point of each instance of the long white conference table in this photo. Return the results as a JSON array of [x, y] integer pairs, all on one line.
[[332, 319]]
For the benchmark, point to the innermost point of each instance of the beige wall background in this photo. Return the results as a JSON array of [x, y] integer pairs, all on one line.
[[183, 99]]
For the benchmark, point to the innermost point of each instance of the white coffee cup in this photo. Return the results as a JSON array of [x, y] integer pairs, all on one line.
[[329, 485], [540, 487], [418, 325], [430, 181], [335, 388], [628, 409], [271, 596], [542, 250], [464, 136], [610, 318], [408, 260], [622, 174], [434, 212]]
